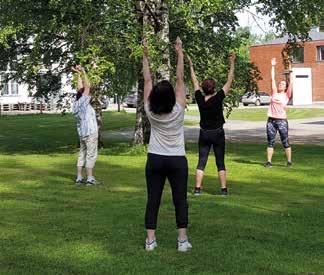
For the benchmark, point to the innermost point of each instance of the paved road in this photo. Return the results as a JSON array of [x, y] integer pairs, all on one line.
[[301, 131]]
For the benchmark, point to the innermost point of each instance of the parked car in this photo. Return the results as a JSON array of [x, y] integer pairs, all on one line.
[[257, 99], [131, 100]]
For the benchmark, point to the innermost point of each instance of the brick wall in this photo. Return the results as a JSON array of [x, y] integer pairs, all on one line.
[[261, 55]]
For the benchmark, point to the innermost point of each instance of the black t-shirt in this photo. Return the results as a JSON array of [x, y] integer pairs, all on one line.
[[211, 111]]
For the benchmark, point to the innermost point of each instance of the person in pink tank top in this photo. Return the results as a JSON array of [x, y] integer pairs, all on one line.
[[277, 116]]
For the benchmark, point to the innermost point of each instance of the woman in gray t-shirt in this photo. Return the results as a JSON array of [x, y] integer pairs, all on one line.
[[166, 158]]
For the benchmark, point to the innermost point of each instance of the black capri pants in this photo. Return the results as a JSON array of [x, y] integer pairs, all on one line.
[[215, 138], [275, 125], [158, 169]]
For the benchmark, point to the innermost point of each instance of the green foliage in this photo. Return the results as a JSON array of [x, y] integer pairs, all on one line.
[[105, 35]]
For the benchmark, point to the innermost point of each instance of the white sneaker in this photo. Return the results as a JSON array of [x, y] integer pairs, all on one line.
[[150, 246], [184, 246]]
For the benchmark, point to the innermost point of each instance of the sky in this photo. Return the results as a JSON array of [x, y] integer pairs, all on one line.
[[258, 24]]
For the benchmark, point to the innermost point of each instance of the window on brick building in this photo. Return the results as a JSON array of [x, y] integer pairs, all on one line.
[[298, 55], [320, 53]]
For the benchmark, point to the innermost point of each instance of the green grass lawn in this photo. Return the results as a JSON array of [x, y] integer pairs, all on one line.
[[272, 222], [260, 114]]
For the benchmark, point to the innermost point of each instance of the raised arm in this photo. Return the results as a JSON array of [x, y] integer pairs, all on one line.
[[80, 83], [148, 84], [194, 79], [86, 82], [180, 87], [230, 76], [273, 74], [289, 89]]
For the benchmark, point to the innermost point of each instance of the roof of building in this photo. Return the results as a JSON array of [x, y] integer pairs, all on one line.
[[313, 34]]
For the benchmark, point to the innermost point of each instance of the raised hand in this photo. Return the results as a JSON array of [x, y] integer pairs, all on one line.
[[232, 57], [74, 69], [273, 62], [178, 45]]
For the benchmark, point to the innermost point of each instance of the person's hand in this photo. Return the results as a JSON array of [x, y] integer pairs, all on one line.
[[273, 62], [232, 57], [145, 47], [80, 68], [178, 45], [189, 60], [75, 70]]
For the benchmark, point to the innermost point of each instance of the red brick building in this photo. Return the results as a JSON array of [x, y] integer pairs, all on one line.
[[308, 66]]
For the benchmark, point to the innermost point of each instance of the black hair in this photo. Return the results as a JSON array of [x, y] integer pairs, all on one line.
[[162, 98], [79, 93]]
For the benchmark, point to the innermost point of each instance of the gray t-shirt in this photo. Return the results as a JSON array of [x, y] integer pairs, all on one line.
[[167, 137]]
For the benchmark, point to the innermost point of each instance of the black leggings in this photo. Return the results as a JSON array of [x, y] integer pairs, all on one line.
[[274, 126], [215, 138], [158, 169]]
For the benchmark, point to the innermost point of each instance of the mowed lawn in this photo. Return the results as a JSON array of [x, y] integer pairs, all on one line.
[[260, 114], [272, 222]]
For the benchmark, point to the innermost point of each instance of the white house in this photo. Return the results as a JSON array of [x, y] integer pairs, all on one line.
[[16, 96]]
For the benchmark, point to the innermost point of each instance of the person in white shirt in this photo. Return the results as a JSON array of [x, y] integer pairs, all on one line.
[[87, 129]]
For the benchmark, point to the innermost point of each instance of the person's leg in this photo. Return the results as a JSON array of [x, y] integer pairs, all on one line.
[[269, 154], [288, 154], [79, 172], [155, 180], [204, 148], [283, 132], [219, 152], [178, 178], [81, 160], [91, 157], [271, 136]]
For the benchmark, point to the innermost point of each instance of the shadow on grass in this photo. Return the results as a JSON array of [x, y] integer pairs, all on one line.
[[49, 133], [51, 226]]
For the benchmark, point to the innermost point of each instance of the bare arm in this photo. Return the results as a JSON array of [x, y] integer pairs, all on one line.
[[148, 84], [230, 76], [289, 89], [273, 74], [86, 83], [180, 87], [80, 83], [193, 75], [78, 71]]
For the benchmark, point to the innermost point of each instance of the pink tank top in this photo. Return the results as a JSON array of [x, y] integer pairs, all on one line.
[[278, 104]]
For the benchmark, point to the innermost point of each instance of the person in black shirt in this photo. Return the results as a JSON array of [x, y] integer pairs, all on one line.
[[210, 106]]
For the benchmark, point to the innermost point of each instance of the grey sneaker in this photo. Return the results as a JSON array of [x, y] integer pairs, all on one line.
[[150, 246], [79, 181], [92, 182], [184, 246], [289, 164]]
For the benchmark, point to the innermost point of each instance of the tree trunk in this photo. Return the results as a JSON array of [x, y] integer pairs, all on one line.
[[162, 31], [142, 125], [154, 13], [118, 103]]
